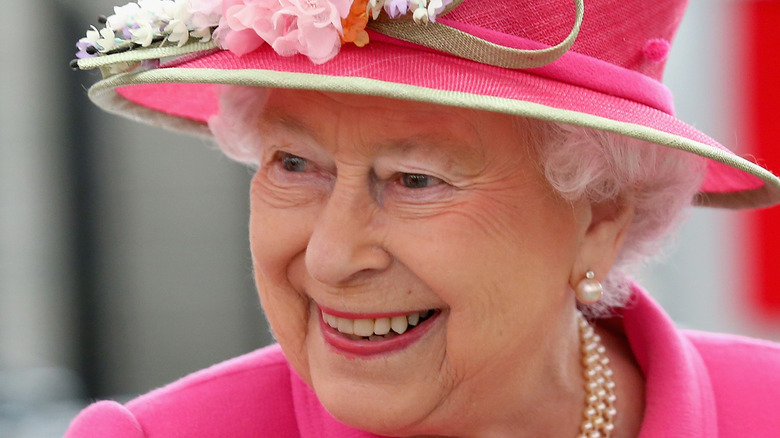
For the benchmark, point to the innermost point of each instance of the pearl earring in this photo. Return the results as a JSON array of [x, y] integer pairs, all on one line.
[[588, 290]]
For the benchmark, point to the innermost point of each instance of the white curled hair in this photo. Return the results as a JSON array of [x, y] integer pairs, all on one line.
[[235, 126], [578, 162], [606, 167]]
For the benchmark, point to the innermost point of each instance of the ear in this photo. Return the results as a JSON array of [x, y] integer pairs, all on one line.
[[605, 228]]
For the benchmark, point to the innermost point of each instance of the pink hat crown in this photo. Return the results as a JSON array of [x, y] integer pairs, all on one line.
[[633, 34]]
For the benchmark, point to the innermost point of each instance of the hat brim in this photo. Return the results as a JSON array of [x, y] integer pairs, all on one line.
[[182, 96]]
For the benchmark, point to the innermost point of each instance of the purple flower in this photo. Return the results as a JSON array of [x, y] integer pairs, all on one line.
[[397, 8], [83, 44]]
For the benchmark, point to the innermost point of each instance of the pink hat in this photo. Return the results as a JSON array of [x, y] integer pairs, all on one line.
[[594, 63]]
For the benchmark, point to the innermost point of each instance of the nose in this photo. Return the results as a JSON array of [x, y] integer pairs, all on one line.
[[346, 242]]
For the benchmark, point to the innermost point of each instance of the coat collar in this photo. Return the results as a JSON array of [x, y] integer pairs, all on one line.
[[679, 399]]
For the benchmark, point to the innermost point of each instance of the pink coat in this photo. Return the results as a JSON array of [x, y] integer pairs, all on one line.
[[698, 385]]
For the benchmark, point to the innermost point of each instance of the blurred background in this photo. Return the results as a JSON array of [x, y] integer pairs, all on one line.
[[124, 260]]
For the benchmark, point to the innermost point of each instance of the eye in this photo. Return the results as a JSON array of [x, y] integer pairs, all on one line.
[[294, 163], [418, 180]]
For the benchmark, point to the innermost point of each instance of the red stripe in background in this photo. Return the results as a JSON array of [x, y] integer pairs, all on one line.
[[761, 121]]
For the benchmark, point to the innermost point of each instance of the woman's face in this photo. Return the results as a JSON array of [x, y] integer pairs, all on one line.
[[384, 211]]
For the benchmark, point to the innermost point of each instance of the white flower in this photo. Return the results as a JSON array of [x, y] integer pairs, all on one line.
[[206, 7], [143, 35], [203, 34], [178, 10], [108, 40], [374, 7], [93, 35], [433, 6], [420, 15], [155, 8], [206, 14], [123, 16], [177, 32], [103, 39]]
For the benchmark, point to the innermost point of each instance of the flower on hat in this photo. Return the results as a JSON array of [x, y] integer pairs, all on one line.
[[205, 16], [423, 10], [396, 8], [314, 28], [123, 16], [309, 27], [103, 39], [355, 24], [177, 32], [143, 34], [86, 49]]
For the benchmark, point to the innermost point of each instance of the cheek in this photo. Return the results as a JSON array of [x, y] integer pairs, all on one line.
[[513, 275], [278, 239], [526, 240]]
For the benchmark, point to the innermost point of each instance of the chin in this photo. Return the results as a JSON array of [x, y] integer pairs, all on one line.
[[392, 395], [379, 416]]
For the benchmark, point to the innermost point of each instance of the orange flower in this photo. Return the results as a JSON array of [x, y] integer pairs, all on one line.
[[355, 24]]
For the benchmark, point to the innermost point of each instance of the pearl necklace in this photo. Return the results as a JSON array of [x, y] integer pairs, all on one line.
[[599, 387]]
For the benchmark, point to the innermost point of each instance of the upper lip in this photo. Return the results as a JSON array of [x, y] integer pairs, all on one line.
[[368, 315]]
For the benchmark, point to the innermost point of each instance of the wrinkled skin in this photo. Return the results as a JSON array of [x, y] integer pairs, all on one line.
[[475, 232]]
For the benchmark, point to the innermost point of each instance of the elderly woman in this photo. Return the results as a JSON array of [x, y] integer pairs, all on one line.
[[443, 189]]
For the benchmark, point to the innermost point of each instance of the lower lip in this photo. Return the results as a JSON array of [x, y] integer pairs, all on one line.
[[365, 348]]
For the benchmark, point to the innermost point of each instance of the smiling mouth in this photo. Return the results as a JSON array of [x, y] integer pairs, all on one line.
[[376, 329]]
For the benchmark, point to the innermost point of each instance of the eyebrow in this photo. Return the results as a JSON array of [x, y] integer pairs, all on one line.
[[434, 144], [278, 118]]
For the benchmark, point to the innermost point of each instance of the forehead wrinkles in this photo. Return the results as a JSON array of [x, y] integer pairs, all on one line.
[[276, 118], [454, 153], [440, 133]]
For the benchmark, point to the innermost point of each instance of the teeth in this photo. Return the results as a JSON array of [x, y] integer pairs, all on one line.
[[374, 329], [364, 327], [399, 324], [382, 326], [346, 326]]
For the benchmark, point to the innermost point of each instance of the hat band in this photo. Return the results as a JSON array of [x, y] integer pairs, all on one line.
[[572, 68], [466, 45]]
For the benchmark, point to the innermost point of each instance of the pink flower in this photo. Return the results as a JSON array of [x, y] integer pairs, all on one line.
[[314, 28], [309, 27], [249, 24]]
